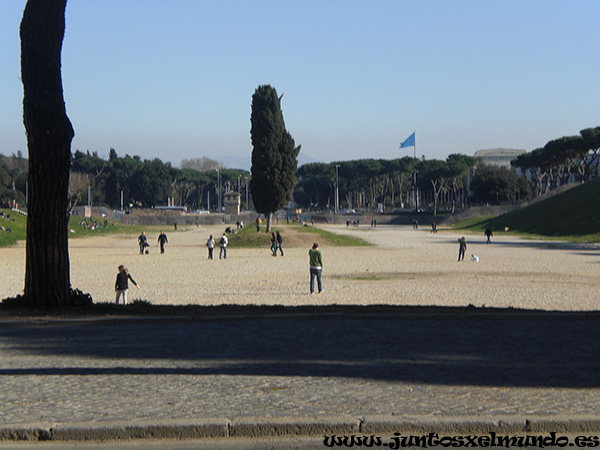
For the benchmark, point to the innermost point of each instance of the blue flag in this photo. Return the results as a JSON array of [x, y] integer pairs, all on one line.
[[409, 142]]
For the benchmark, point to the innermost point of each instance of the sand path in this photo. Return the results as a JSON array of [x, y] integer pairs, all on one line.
[[405, 267]]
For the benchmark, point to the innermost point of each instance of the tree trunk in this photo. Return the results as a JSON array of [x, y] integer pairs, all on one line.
[[49, 135], [269, 215]]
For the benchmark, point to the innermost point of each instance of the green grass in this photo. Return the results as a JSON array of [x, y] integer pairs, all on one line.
[[118, 228], [18, 225], [335, 240], [247, 237], [478, 223], [573, 215], [76, 230]]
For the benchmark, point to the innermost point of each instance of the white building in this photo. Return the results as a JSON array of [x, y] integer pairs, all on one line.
[[498, 156]]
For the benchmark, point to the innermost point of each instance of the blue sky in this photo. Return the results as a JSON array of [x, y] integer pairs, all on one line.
[[174, 79]]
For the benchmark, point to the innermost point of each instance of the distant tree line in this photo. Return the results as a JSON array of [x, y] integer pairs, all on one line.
[[13, 179], [147, 183], [364, 184], [367, 184], [561, 161]]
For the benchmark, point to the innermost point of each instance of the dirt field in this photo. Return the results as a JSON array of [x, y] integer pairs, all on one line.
[[405, 267]]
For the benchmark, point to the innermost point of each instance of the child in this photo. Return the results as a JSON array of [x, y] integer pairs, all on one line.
[[122, 284]]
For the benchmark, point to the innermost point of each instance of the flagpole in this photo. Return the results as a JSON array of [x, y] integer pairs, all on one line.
[[415, 171], [412, 140]]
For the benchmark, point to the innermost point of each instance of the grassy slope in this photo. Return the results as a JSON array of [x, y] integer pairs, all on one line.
[[574, 214], [19, 228], [18, 225]]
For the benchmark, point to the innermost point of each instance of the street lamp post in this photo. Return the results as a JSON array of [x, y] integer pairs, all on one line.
[[218, 190], [415, 190], [247, 207], [337, 188]]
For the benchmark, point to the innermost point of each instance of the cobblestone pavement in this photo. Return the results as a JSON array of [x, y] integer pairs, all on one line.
[[293, 367]]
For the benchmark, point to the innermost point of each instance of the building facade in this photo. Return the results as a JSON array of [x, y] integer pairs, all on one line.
[[498, 156]]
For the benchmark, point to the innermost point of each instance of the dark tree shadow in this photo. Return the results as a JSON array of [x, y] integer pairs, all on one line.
[[450, 346]]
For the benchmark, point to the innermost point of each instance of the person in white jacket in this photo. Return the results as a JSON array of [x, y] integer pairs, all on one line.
[[211, 246], [223, 243]]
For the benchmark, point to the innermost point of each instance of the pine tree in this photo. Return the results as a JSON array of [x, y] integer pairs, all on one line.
[[49, 135]]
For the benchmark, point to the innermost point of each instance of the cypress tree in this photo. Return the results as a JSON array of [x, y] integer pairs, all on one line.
[[274, 154]]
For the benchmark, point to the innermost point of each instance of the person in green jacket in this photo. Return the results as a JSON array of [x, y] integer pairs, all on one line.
[[273, 244], [316, 267]]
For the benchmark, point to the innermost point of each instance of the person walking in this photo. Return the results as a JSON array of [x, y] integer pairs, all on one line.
[[257, 223], [143, 242], [279, 242], [162, 240], [223, 243], [316, 267], [273, 245], [211, 246], [122, 284], [462, 248], [488, 234]]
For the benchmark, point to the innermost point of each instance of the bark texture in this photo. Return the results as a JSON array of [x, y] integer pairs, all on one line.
[[49, 135]]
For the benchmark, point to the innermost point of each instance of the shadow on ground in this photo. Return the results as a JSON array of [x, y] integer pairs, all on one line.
[[592, 249], [446, 346]]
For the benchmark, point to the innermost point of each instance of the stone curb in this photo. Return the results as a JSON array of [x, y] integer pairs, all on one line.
[[268, 427]]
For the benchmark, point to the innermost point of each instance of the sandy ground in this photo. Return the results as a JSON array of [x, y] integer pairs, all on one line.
[[405, 267]]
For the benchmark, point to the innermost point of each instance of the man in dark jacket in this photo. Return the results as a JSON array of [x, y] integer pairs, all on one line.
[[488, 234], [162, 240], [462, 248], [279, 241], [143, 241]]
